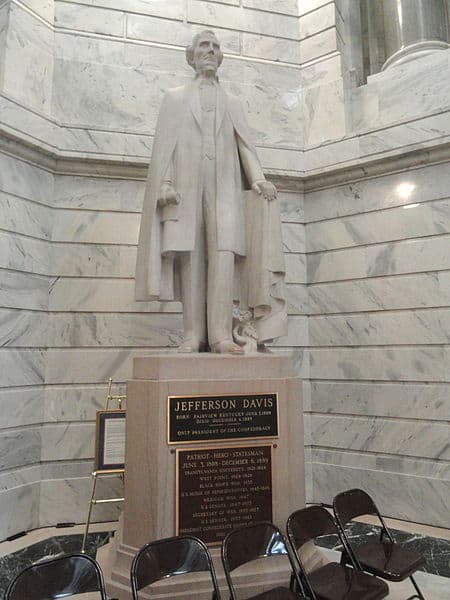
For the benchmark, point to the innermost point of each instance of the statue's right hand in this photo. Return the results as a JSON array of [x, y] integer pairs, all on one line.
[[168, 195]]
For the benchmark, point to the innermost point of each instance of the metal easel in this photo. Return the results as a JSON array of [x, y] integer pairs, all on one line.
[[93, 501]]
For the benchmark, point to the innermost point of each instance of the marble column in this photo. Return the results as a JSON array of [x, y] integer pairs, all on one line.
[[413, 28]]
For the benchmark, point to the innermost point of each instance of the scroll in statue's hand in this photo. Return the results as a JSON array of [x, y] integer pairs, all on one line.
[[168, 195], [266, 189]]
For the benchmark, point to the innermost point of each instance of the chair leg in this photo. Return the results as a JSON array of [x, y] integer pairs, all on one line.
[[416, 587]]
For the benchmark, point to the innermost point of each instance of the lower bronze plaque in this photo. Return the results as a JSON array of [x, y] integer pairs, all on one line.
[[219, 489]]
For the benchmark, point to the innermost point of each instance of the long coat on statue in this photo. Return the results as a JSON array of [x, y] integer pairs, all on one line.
[[177, 156]]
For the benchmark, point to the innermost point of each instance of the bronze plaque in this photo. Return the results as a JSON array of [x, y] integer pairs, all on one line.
[[219, 489], [192, 419]]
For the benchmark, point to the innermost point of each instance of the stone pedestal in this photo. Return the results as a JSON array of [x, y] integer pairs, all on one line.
[[149, 507]]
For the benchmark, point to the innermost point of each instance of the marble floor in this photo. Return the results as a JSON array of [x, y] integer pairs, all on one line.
[[434, 543]]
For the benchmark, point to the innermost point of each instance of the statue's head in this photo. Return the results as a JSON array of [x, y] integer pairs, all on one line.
[[204, 54]]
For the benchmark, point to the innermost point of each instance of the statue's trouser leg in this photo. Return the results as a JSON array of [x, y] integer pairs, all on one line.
[[193, 290], [220, 274]]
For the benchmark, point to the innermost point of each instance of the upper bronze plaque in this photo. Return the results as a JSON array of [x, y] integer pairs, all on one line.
[[208, 418]]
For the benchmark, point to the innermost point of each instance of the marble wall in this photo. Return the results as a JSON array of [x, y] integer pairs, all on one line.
[[368, 286], [379, 329]]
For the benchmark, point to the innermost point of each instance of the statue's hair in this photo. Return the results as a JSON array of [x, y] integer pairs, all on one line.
[[190, 49]]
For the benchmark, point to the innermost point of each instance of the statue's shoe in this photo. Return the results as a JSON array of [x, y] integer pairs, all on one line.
[[227, 347]]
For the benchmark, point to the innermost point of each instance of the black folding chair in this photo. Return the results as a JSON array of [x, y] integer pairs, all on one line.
[[58, 578], [332, 581], [250, 543], [382, 557], [169, 557]]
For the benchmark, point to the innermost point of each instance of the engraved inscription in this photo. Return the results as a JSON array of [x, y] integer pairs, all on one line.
[[208, 418], [220, 489]]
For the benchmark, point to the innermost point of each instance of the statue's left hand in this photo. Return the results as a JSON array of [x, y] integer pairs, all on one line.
[[266, 189]]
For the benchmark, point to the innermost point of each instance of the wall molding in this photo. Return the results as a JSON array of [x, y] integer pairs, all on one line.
[[364, 168]]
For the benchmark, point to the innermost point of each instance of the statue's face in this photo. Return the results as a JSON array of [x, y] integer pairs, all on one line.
[[207, 55]]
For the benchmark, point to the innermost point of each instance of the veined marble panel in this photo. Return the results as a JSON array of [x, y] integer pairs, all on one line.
[[28, 68], [89, 49], [103, 96], [261, 46], [24, 180], [440, 469], [151, 29], [297, 332], [96, 227], [408, 221], [242, 19], [20, 447], [171, 60], [274, 110], [19, 477], [411, 256], [22, 328], [76, 403], [233, 2], [288, 7], [19, 509], [122, 146], [406, 497], [67, 441], [430, 326], [388, 436], [4, 16], [102, 295], [24, 254], [306, 6], [21, 367], [428, 76], [291, 207], [97, 193], [23, 290], [91, 365], [295, 268], [62, 469], [65, 500], [23, 406], [282, 160], [413, 133], [384, 293], [23, 216], [322, 72], [318, 45], [324, 112], [314, 22], [297, 299], [407, 400], [425, 363], [331, 154], [89, 18], [90, 260], [32, 127], [409, 187], [122, 330], [168, 10], [43, 8], [293, 237]]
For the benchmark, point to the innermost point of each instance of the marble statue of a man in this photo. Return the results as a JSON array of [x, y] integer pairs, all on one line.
[[197, 239]]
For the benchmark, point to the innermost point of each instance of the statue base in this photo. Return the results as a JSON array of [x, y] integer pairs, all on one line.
[[150, 507]]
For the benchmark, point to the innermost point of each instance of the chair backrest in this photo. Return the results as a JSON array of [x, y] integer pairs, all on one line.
[[58, 578], [353, 503], [169, 557], [251, 542], [248, 543], [309, 523]]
